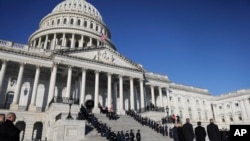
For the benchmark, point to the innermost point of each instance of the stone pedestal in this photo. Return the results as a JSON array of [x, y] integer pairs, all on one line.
[[68, 130], [32, 108], [14, 107]]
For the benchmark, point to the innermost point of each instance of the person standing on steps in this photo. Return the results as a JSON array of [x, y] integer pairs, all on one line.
[[138, 136], [200, 132], [188, 131], [213, 131]]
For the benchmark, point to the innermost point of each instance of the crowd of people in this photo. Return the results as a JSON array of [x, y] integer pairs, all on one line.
[[186, 132], [145, 121], [8, 131], [110, 113], [106, 131]]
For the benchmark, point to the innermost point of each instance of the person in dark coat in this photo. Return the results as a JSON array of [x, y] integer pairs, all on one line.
[[131, 135], [126, 136], [200, 132], [138, 136], [122, 136], [188, 131], [2, 119], [213, 131], [8, 130], [180, 132], [175, 132]]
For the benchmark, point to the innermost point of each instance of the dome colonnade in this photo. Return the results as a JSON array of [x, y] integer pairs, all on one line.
[[71, 24]]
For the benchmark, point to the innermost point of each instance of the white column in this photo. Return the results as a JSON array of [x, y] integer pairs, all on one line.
[[32, 106], [68, 95], [63, 40], [72, 41], [142, 94], [132, 105], [194, 110], [14, 105], [90, 41], [81, 41], [52, 84], [109, 90], [160, 94], [152, 95], [215, 112], [83, 85], [96, 110], [39, 42], [243, 110], [247, 104], [2, 73], [45, 42], [167, 92], [54, 42], [121, 94], [232, 104]]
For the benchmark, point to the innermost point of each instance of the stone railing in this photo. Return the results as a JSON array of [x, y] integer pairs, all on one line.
[[10, 44]]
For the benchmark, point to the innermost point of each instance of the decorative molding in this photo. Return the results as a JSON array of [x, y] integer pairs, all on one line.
[[104, 56]]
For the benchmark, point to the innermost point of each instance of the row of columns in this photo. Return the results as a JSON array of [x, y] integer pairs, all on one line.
[[53, 41], [52, 84]]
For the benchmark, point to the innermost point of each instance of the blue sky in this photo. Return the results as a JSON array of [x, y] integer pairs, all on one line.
[[200, 43]]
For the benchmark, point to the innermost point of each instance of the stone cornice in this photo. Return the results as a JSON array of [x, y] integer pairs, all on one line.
[[188, 88], [157, 77], [24, 52], [235, 94]]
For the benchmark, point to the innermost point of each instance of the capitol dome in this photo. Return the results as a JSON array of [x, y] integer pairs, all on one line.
[[72, 24]]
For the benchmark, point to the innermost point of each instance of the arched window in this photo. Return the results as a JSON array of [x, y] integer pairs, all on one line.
[[52, 22], [64, 21], [91, 25], [71, 21], [85, 23], [37, 131], [79, 22], [58, 21]]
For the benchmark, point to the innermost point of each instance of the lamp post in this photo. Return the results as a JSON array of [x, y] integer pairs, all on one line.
[[69, 117], [167, 110]]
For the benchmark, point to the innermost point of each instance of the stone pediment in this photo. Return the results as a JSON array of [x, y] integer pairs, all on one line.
[[106, 56]]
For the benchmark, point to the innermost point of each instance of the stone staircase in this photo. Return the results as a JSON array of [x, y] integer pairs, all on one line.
[[125, 123]]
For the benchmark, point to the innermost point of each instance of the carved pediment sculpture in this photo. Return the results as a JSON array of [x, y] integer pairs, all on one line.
[[104, 56]]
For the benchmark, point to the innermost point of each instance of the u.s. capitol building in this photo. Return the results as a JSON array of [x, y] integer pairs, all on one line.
[[71, 57]]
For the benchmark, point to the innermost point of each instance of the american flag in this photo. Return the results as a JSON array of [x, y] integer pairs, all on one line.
[[103, 37]]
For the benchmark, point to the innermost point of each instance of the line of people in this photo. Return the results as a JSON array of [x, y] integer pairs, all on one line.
[[105, 131], [186, 133], [8, 131], [145, 121]]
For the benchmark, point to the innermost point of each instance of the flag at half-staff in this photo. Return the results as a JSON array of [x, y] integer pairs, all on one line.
[[103, 37]]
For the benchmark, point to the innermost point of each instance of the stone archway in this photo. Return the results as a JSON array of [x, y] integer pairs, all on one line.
[[37, 131], [21, 125], [8, 99]]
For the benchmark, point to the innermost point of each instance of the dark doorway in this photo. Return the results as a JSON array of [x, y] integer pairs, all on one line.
[[89, 105], [37, 131], [21, 125], [8, 100]]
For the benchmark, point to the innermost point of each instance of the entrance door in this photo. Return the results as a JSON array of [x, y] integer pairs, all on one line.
[[8, 100]]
